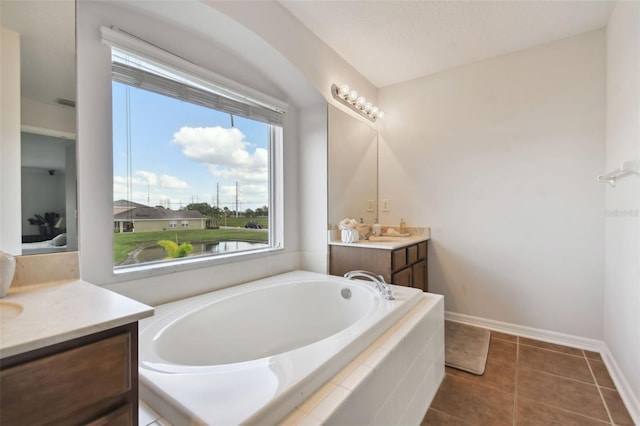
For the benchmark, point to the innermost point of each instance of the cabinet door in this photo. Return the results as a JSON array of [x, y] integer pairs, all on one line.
[[402, 277], [419, 275], [48, 389]]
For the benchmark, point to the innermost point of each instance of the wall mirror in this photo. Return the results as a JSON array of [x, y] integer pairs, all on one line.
[[353, 168], [47, 121]]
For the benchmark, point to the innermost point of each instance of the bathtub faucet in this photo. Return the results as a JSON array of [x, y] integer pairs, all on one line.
[[378, 280]]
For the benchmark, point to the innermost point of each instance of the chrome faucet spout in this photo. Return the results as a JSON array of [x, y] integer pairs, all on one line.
[[378, 280]]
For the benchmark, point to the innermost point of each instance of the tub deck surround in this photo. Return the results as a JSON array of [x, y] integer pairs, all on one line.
[[257, 351], [42, 315]]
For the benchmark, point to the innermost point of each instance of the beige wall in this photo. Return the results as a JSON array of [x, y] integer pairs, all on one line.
[[500, 159], [10, 236], [622, 223]]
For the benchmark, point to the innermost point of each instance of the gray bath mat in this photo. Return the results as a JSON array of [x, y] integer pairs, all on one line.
[[466, 347]]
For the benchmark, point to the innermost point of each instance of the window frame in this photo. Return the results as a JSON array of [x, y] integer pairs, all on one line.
[[276, 166]]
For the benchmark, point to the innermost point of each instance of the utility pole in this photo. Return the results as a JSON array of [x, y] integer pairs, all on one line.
[[218, 195], [236, 197]]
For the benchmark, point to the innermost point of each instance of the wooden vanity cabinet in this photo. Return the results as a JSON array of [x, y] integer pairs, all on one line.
[[406, 266], [91, 380]]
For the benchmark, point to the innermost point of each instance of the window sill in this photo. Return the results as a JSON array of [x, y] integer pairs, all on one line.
[[132, 272]]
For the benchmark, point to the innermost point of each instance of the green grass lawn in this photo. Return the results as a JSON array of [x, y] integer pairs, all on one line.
[[125, 242]]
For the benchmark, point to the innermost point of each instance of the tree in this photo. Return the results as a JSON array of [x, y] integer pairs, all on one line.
[[249, 213], [262, 211], [174, 250], [203, 208], [213, 214]]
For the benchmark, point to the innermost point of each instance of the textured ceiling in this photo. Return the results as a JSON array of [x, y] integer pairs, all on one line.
[[387, 41], [394, 41], [47, 44]]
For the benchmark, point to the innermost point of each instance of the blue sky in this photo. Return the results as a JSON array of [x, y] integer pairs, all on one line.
[[180, 151]]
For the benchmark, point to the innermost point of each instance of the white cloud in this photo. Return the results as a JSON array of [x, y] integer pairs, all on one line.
[[173, 182], [139, 178], [147, 177], [224, 152]]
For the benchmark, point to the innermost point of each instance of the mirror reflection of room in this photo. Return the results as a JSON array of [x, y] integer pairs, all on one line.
[[353, 169], [47, 176], [47, 123]]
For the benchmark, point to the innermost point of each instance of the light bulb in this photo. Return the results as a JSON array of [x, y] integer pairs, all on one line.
[[380, 114], [374, 111], [353, 95], [360, 102], [344, 90], [367, 106]]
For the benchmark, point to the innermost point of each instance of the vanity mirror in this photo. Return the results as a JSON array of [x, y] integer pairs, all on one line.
[[353, 168], [47, 122]]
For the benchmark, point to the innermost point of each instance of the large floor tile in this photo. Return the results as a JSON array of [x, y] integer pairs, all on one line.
[[565, 365], [550, 346], [502, 351], [601, 373], [560, 392], [592, 355], [616, 407], [474, 403], [504, 336], [532, 413], [438, 418], [496, 375]]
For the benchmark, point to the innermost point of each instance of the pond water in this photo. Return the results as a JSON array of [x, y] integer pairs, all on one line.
[[155, 253]]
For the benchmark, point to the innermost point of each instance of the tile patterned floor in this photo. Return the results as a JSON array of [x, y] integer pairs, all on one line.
[[528, 382]]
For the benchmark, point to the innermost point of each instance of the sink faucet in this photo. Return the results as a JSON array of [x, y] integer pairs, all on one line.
[[382, 286]]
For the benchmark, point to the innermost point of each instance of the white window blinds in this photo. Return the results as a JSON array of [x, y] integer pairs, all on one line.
[[137, 63]]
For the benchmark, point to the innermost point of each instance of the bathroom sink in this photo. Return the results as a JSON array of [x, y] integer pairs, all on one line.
[[9, 311], [388, 239]]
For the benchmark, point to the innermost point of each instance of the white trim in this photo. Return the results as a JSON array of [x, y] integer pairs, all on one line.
[[624, 389], [121, 40], [47, 132], [529, 332]]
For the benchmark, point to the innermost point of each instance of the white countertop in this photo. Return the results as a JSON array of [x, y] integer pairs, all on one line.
[[395, 243], [57, 312]]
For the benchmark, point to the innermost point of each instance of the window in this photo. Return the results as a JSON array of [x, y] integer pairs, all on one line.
[[183, 152]]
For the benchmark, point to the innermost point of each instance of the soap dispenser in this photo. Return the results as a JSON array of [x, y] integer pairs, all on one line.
[[403, 227], [376, 228]]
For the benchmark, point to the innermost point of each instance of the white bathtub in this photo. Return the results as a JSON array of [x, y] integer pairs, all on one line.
[[252, 353]]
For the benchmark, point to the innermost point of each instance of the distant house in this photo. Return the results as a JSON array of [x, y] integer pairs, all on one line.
[[134, 217]]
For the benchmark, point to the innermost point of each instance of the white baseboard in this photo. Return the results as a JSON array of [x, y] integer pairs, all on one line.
[[530, 332], [624, 389], [631, 401]]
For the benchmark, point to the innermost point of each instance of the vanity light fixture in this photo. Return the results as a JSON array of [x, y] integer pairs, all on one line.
[[350, 97]]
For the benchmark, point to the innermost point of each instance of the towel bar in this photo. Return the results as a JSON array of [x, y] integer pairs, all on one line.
[[626, 168]]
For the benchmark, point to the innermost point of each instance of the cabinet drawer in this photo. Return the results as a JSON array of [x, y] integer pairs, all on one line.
[[422, 250], [50, 388], [122, 416], [399, 259], [412, 254]]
